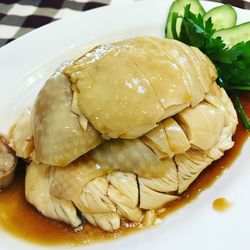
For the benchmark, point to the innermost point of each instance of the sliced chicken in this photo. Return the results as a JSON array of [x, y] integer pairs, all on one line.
[[149, 218], [58, 136], [168, 182], [199, 127], [94, 197], [104, 195], [108, 222], [157, 140], [132, 123], [8, 163], [194, 161], [176, 137], [105, 199], [164, 75], [187, 62], [123, 191], [101, 198], [158, 75], [154, 191], [203, 125], [207, 68], [190, 166], [21, 136], [150, 199], [105, 69], [219, 98], [37, 184], [67, 183]]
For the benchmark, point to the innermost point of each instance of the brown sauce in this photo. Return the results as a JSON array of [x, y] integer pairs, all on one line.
[[221, 205], [22, 220]]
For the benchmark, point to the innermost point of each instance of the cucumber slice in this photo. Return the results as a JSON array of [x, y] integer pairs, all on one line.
[[178, 6], [223, 16], [234, 35]]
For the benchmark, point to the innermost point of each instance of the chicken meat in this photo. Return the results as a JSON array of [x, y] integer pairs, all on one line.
[[123, 130]]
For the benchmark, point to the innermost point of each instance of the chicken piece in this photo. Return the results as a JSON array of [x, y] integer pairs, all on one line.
[[167, 139], [123, 191], [75, 108], [131, 214], [100, 199], [128, 156], [168, 183], [153, 190], [94, 197], [176, 137], [194, 161], [188, 62], [157, 140], [108, 222], [219, 98], [164, 75], [21, 138], [207, 68], [58, 136], [105, 199], [105, 69], [67, 183], [224, 143], [231, 112], [150, 199], [85, 183], [190, 166], [8, 163], [37, 183], [158, 75], [149, 218], [203, 125]]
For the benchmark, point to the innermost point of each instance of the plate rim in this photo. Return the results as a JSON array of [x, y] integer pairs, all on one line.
[[90, 12]]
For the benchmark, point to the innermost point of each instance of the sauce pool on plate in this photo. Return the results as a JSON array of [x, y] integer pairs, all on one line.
[[221, 205], [20, 219]]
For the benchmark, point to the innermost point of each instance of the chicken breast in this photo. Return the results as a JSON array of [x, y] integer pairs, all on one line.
[[128, 91], [158, 75], [104, 195], [146, 80]]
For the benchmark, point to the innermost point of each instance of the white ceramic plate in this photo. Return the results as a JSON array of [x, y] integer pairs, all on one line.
[[27, 62]]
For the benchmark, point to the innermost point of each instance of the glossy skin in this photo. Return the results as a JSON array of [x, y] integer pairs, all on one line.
[[145, 80]]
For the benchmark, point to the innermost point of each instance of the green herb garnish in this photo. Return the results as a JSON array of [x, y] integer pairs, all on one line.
[[233, 64]]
